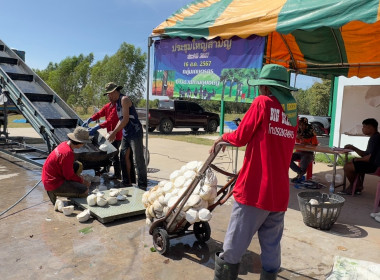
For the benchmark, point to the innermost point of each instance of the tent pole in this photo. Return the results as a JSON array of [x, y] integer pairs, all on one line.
[[150, 42], [333, 115], [221, 124]]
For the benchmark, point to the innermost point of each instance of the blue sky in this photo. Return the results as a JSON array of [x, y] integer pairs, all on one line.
[[49, 31]]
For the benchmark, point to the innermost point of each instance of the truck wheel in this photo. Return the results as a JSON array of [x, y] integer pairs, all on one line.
[[318, 128], [212, 126], [166, 126]]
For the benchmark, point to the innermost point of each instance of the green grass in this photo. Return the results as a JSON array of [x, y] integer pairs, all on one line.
[[11, 124], [320, 157], [230, 117]]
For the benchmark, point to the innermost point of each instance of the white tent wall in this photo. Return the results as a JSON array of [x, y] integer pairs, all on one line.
[[357, 99]]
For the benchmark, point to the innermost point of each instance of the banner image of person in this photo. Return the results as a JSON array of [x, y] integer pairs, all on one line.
[[207, 69]]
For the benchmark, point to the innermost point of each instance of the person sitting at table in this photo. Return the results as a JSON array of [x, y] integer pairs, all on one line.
[[369, 159], [305, 135]]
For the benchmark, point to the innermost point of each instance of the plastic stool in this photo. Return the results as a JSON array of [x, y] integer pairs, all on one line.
[[309, 171], [376, 173]]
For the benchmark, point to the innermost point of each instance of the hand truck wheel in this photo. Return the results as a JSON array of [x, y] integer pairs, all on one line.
[[161, 240], [202, 231]]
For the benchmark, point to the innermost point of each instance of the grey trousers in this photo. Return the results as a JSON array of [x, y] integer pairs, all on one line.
[[245, 221], [136, 144], [305, 158]]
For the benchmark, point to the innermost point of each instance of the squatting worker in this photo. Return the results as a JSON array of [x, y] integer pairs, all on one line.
[[261, 191], [111, 119], [132, 136], [60, 170]]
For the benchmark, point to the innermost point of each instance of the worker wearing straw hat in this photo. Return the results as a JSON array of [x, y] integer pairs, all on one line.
[[61, 173]]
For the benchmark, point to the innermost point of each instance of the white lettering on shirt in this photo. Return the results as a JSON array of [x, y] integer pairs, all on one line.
[[274, 114], [279, 131]]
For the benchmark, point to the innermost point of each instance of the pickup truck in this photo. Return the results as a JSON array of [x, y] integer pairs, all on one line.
[[320, 124], [179, 114]]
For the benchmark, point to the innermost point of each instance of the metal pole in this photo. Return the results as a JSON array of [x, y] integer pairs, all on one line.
[[335, 86], [236, 160], [150, 42], [221, 125]]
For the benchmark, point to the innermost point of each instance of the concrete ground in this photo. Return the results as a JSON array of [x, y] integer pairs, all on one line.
[[38, 243]]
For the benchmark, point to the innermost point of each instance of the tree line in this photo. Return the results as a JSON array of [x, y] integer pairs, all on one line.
[[80, 83], [314, 100]]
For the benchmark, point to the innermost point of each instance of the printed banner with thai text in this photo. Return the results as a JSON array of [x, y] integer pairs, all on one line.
[[207, 69]]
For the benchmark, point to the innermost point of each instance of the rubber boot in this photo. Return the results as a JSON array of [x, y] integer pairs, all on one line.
[[225, 270], [268, 275]]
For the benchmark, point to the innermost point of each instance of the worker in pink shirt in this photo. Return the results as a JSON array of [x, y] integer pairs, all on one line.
[[268, 130]]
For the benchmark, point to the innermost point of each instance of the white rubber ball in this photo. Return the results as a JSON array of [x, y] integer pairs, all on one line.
[[194, 200], [174, 175], [172, 201], [83, 216], [162, 183], [161, 199], [187, 183], [168, 187], [183, 169], [313, 201], [179, 182], [189, 174], [204, 215], [192, 165], [58, 206], [191, 215], [101, 201], [68, 210], [112, 200], [91, 199], [157, 206], [167, 198]]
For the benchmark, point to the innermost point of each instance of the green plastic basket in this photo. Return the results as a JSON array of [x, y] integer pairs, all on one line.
[[323, 215]]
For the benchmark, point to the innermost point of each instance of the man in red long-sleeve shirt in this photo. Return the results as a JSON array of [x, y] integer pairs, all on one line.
[[261, 191], [111, 119], [58, 175]]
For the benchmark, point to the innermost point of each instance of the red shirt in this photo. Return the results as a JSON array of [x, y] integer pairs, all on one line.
[[263, 181], [58, 167], [111, 119]]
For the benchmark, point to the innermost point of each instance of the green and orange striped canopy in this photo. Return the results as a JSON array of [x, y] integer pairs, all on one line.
[[313, 37]]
